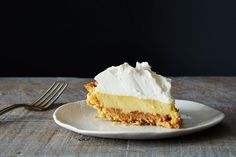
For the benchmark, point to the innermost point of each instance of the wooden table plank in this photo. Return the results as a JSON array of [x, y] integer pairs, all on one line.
[[26, 133]]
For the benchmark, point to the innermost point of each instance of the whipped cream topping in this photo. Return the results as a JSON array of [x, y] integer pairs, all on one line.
[[141, 82]]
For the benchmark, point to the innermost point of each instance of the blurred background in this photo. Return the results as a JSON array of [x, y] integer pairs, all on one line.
[[81, 38]]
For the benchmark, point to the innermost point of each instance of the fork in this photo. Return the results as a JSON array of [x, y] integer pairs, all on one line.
[[44, 101]]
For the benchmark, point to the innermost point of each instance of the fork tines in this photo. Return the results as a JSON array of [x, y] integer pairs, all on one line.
[[51, 95]]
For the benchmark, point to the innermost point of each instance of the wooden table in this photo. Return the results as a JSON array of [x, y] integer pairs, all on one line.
[[27, 133]]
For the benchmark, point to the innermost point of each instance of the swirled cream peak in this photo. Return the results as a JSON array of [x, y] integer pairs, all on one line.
[[139, 81]]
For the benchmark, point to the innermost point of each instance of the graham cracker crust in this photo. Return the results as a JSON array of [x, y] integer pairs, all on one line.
[[132, 118]]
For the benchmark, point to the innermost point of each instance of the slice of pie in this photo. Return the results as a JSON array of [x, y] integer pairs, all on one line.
[[133, 96]]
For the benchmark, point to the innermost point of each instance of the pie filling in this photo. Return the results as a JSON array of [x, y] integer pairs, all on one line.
[[131, 110]]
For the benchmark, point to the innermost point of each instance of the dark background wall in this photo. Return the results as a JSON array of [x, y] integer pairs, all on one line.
[[82, 38]]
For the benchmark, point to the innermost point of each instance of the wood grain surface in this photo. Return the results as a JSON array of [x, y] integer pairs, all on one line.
[[27, 133]]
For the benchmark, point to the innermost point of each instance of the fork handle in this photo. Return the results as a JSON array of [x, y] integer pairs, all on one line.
[[12, 107]]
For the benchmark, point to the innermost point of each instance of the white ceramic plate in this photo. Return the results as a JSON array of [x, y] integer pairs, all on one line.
[[80, 118]]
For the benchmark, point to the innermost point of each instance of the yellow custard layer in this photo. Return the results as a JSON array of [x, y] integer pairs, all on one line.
[[129, 103]]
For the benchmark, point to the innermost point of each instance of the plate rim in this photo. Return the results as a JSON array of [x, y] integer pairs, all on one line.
[[183, 131]]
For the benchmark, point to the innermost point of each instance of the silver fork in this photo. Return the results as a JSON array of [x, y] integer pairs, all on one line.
[[43, 102]]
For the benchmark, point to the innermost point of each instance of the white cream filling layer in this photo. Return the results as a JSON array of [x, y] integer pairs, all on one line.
[[141, 82]]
